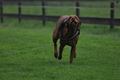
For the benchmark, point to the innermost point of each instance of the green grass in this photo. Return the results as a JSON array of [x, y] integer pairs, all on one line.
[[26, 48], [26, 53]]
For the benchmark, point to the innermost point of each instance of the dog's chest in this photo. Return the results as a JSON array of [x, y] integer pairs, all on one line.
[[68, 42]]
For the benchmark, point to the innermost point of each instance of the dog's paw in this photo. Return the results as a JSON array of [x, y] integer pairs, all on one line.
[[59, 57], [75, 55], [56, 55]]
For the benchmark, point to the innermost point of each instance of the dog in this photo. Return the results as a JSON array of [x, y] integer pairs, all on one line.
[[67, 30]]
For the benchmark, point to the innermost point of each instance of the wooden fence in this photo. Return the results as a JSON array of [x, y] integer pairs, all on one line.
[[90, 20]]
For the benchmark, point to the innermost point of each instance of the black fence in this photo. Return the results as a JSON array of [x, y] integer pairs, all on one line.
[[89, 20]]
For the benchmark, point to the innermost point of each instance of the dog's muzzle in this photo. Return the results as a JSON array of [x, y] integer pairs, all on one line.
[[73, 23]]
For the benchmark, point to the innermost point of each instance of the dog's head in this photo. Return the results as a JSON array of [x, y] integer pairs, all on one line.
[[73, 21]]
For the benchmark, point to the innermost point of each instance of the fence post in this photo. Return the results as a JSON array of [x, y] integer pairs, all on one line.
[[77, 9], [19, 11], [112, 15], [1, 12], [43, 13]]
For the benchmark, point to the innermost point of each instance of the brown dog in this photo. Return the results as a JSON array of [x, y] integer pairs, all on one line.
[[67, 30]]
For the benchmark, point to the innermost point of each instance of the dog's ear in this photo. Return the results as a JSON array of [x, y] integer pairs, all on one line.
[[79, 21], [67, 22]]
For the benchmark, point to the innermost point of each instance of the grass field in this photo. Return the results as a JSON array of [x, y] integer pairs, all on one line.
[[26, 53], [26, 49]]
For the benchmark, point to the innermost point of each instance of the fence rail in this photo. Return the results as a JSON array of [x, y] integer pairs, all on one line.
[[89, 20], [63, 7]]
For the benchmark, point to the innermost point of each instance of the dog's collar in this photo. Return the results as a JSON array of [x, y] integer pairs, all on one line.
[[60, 33], [77, 33]]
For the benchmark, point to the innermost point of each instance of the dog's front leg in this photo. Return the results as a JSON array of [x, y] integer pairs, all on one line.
[[55, 38], [72, 53], [60, 51], [55, 51]]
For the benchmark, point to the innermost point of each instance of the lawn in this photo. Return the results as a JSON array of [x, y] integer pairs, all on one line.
[[26, 48], [26, 53]]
